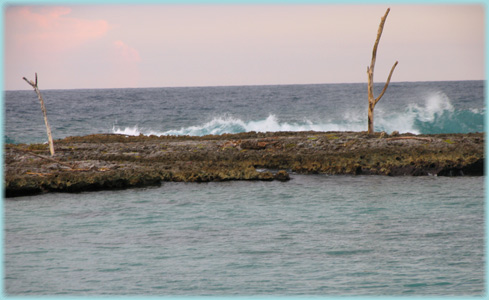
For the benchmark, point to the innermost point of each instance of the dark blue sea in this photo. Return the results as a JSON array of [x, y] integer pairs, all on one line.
[[315, 235]]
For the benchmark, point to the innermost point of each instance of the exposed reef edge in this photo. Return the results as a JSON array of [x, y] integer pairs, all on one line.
[[112, 161]]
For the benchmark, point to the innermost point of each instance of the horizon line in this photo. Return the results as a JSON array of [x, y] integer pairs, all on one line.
[[236, 85]]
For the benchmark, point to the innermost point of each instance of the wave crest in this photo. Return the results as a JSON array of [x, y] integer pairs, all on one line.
[[437, 115]]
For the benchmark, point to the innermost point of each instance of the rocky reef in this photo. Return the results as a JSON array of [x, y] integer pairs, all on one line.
[[111, 161]]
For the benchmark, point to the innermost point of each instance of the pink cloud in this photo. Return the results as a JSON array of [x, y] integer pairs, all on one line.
[[125, 68], [49, 28], [126, 53]]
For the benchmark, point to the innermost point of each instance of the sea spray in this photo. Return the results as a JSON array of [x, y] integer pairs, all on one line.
[[436, 115], [221, 125], [134, 131]]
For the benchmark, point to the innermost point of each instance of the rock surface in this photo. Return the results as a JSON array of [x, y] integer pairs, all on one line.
[[111, 161]]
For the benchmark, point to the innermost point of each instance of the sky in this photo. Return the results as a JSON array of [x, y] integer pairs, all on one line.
[[170, 45]]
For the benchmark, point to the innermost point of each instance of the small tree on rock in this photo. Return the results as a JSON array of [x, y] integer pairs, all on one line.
[[372, 101]]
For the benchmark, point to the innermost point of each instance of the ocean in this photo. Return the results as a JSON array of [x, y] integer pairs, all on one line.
[[315, 235], [419, 107]]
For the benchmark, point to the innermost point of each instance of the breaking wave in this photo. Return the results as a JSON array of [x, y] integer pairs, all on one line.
[[436, 115], [221, 125]]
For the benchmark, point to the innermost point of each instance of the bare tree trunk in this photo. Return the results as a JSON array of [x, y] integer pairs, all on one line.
[[43, 108], [372, 101]]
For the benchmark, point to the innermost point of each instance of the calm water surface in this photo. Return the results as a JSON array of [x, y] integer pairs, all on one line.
[[313, 235]]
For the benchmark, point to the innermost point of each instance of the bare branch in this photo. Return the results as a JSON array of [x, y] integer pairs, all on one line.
[[377, 40], [386, 83], [29, 82], [43, 108]]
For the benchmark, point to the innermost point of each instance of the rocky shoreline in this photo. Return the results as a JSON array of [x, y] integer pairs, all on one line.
[[112, 161]]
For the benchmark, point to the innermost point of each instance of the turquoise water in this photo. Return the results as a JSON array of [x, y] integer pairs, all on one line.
[[313, 235]]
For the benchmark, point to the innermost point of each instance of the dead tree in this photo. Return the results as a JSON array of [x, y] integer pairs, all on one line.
[[48, 129], [372, 101]]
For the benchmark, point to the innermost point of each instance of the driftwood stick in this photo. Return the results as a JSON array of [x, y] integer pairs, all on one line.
[[409, 138], [43, 157], [43, 108]]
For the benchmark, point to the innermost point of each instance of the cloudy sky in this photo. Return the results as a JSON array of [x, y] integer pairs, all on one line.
[[115, 46]]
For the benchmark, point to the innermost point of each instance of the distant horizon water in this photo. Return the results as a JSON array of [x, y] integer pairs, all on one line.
[[419, 108], [236, 85]]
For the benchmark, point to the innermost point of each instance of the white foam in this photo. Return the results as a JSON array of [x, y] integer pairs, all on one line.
[[221, 125], [435, 106], [126, 131]]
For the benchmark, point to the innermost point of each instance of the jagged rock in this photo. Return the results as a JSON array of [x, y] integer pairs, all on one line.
[[282, 176], [110, 161], [252, 145]]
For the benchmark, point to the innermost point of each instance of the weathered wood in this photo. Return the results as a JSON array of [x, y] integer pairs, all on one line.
[[410, 138], [43, 108], [372, 101], [43, 157], [386, 83]]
